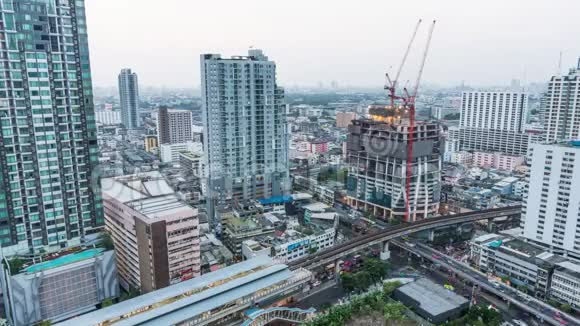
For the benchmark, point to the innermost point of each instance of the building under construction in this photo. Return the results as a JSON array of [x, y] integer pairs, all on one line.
[[377, 154]]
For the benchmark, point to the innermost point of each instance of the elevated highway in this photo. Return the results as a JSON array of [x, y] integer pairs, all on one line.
[[331, 255]]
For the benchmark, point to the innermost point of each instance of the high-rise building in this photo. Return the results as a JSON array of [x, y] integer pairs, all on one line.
[[494, 110], [129, 97], [174, 126], [377, 159], [488, 140], [48, 131], [561, 107], [245, 129], [156, 235], [551, 202]]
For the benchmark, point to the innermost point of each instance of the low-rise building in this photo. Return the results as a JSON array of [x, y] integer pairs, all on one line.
[[150, 143], [156, 235], [62, 287], [253, 248], [498, 161], [523, 264], [293, 245], [243, 221], [565, 286], [431, 301], [169, 153], [505, 186]]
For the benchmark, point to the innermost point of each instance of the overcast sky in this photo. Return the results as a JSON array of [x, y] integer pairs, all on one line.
[[353, 42]]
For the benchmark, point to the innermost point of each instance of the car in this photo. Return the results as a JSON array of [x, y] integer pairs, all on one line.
[[519, 322]]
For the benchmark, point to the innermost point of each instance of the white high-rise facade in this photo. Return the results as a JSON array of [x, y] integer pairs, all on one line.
[[494, 110], [561, 107], [129, 96], [245, 129], [552, 201]]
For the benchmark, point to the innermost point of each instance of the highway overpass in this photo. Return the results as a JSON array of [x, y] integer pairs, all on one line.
[[331, 255]]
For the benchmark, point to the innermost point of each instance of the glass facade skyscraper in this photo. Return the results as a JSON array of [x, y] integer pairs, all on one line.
[[129, 97], [48, 154]]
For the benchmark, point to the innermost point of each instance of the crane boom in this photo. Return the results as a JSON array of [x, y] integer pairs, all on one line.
[[406, 53], [425, 52], [410, 102]]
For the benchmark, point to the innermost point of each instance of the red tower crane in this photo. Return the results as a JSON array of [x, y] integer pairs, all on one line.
[[409, 100]]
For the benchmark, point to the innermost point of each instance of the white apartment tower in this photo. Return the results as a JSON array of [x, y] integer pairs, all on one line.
[[552, 200], [494, 110], [245, 129], [129, 96], [561, 107]]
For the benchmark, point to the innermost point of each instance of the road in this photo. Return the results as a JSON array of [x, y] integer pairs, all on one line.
[[525, 302], [327, 294]]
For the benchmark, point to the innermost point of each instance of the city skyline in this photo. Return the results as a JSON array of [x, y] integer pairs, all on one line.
[[481, 44]]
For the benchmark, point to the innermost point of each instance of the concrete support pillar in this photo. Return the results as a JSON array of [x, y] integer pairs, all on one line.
[[385, 253], [337, 271]]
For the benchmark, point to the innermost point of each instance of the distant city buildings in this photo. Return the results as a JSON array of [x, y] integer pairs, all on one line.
[[48, 130], [562, 107], [129, 96], [108, 117], [551, 205], [151, 143], [377, 159], [245, 129], [174, 126], [156, 235]]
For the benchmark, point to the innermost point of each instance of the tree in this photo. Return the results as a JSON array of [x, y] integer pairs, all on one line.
[[106, 241], [45, 323], [363, 280], [106, 303], [15, 265], [553, 303], [130, 294], [394, 311], [376, 268], [566, 307], [390, 287], [348, 282]]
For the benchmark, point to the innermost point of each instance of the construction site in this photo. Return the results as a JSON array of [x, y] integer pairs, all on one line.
[[395, 161]]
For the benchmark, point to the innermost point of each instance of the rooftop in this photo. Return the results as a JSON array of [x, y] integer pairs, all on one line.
[[64, 260], [191, 298], [432, 298], [148, 193]]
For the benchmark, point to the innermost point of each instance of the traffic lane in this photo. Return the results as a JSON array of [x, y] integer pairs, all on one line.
[[531, 301], [486, 285], [320, 299]]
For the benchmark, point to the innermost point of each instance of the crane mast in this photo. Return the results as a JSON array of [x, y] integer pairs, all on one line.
[[409, 100]]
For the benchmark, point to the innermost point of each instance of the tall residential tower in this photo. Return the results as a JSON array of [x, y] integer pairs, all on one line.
[[561, 107], [129, 96], [245, 129], [48, 151]]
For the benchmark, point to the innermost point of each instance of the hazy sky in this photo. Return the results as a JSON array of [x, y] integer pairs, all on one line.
[[351, 41]]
